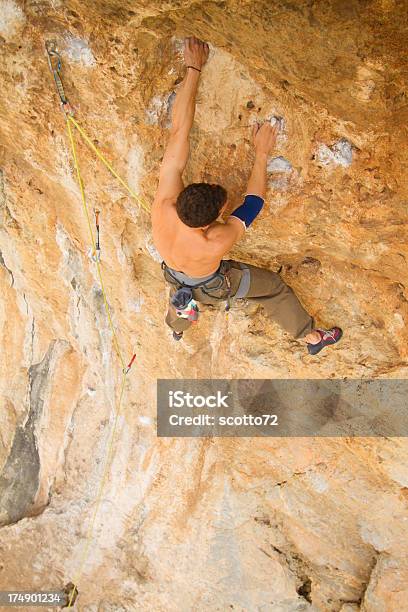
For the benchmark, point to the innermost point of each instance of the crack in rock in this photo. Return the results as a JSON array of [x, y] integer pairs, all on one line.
[[3, 263], [20, 478]]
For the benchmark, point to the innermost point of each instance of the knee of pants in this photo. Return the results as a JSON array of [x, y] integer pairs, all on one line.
[[264, 283]]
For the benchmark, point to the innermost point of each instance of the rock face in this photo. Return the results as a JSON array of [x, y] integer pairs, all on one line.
[[197, 524]]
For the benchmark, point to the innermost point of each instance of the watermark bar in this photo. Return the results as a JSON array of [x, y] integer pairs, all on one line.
[[282, 408], [33, 598]]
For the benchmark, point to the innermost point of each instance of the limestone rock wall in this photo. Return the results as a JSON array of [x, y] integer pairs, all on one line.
[[262, 524]]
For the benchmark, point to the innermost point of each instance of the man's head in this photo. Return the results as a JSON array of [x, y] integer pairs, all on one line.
[[199, 204]]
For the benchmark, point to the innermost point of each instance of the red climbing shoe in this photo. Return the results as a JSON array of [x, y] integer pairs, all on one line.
[[328, 336]]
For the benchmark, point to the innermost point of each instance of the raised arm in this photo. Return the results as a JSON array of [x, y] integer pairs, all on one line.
[[264, 141], [195, 56], [264, 138], [177, 150]]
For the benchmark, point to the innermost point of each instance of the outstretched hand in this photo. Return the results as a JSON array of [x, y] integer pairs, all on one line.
[[196, 52], [264, 136]]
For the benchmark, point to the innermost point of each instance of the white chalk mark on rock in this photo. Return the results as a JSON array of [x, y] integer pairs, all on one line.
[[12, 19], [339, 154], [135, 167], [280, 169], [153, 252], [77, 50], [136, 305], [279, 164], [155, 110]]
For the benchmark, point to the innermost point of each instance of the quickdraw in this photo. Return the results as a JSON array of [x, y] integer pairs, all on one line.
[[129, 365], [228, 283], [55, 64], [97, 255]]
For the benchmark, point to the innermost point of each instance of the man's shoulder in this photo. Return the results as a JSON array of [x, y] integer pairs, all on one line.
[[163, 204], [218, 230], [221, 236]]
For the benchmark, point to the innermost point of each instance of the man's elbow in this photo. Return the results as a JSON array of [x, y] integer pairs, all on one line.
[[237, 226], [249, 210]]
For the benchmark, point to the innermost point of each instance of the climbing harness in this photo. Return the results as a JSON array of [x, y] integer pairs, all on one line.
[[187, 308], [55, 64]]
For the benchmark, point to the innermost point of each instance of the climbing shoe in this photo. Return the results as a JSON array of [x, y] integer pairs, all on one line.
[[177, 336], [328, 336]]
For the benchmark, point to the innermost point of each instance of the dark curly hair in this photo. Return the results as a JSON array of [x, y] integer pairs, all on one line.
[[199, 204]]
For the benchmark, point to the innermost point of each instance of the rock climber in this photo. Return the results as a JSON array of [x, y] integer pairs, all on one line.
[[192, 240]]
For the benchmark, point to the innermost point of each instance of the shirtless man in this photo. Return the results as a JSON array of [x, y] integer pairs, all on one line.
[[192, 241]]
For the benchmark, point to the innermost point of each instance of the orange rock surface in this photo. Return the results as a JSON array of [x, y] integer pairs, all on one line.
[[268, 525]]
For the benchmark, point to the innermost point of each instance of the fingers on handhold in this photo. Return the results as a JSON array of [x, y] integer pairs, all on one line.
[[273, 129], [197, 40]]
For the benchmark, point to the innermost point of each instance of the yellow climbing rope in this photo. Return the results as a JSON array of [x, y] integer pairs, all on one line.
[[141, 201], [55, 68], [86, 211], [108, 452]]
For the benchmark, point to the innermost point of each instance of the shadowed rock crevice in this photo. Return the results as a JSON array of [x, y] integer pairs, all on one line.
[[3, 263], [20, 478], [327, 586]]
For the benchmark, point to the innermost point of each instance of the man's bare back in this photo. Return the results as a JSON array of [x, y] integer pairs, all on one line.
[[194, 251]]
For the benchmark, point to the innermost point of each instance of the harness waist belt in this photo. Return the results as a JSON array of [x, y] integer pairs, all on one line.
[[245, 281], [190, 280]]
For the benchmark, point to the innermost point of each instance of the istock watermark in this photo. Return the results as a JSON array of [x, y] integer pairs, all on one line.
[[283, 408], [180, 399]]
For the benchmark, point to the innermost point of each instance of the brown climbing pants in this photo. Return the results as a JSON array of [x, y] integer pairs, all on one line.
[[263, 286]]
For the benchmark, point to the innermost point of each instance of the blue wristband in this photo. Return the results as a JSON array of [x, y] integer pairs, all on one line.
[[249, 210]]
